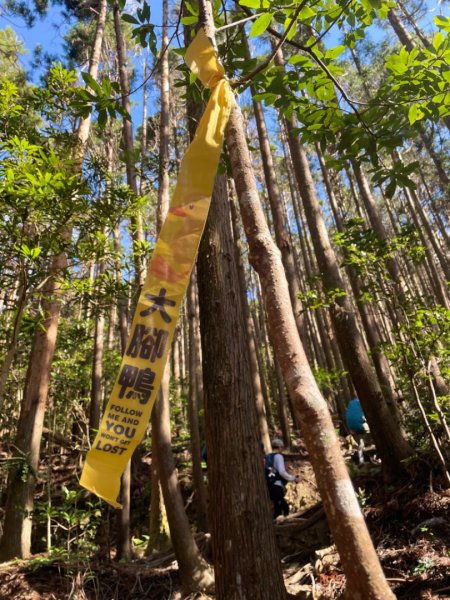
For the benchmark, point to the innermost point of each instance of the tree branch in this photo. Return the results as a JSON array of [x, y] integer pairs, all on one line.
[[269, 59], [309, 50]]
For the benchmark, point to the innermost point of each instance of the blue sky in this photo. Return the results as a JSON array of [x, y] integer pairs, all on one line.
[[48, 32]]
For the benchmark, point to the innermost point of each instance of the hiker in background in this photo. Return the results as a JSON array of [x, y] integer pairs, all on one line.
[[357, 424], [277, 477]]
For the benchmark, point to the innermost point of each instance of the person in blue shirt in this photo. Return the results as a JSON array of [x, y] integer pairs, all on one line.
[[357, 424]]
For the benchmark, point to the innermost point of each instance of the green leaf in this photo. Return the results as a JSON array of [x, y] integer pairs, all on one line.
[[102, 118], [190, 20], [334, 52], [130, 19], [438, 40], [415, 113], [442, 22], [390, 188], [267, 97], [90, 81], [191, 8], [307, 13], [298, 59], [292, 31], [261, 24], [146, 12], [253, 3]]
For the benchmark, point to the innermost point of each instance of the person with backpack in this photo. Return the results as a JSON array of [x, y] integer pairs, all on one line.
[[357, 424], [277, 477]]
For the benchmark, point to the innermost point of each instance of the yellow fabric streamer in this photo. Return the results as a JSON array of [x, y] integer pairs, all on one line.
[[128, 411]]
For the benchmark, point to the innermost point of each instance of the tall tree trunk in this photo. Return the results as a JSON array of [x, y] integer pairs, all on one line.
[[97, 363], [262, 371], [144, 126], [250, 338], [16, 540], [244, 547], [360, 563], [278, 216], [128, 141], [364, 575], [194, 571], [425, 224], [8, 360], [124, 542], [259, 321], [193, 408]]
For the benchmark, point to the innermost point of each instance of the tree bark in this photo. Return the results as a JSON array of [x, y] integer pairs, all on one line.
[[9, 358], [128, 141], [364, 575], [278, 215], [244, 548], [97, 363], [159, 534], [193, 409], [250, 337], [194, 571]]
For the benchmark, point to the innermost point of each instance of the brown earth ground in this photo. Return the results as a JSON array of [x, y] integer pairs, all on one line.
[[409, 525]]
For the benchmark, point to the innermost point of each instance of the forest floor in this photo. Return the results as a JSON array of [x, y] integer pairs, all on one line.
[[409, 524]]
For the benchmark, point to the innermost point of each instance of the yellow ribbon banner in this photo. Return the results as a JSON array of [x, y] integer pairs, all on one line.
[[128, 411]]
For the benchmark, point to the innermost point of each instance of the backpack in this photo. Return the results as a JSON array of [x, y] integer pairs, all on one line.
[[272, 474]]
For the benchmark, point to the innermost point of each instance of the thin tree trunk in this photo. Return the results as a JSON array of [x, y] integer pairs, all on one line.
[[194, 571], [260, 327], [435, 275], [124, 547], [124, 542], [144, 127], [278, 216], [135, 220], [159, 535], [97, 364], [193, 409], [250, 338], [20, 309]]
